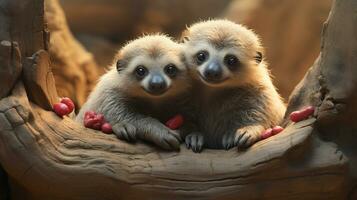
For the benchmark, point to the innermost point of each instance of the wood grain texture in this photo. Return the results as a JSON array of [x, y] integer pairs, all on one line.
[[65, 154], [331, 82], [39, 80], [10, 66], [74, 68], [330, 85]]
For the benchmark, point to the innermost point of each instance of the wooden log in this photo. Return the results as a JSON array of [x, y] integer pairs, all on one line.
[[39, 80], [74, 68], [10, 66], [331, 81], [86, 164], [330, 84], [21, 34]]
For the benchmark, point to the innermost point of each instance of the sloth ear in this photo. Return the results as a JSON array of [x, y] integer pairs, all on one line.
[[185, 39], [120, 64], [184, 36], [258, 57]]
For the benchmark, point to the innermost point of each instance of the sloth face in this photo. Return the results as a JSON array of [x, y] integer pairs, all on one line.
[[221, 53], [215, 66], [221, 67], [153, 67], [155, 76]]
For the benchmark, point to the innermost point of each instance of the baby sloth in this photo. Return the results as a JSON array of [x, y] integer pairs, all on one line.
[[147, 85], [235, 97]]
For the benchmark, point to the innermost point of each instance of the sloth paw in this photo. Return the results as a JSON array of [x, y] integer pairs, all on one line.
[[165, 138], [242, 138], [229, 140], [195, 142], [125, 131], [247, 136]]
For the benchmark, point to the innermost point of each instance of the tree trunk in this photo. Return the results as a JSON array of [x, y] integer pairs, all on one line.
[[48, 157]]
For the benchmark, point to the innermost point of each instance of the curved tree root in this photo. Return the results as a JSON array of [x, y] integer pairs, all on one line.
[[48, 153]]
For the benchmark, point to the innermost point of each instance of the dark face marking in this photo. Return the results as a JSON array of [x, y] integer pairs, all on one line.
[[201, 57], [171, 70], [232, 62], [140, 72]]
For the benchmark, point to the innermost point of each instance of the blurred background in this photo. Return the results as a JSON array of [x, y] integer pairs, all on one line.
[[290, 30]]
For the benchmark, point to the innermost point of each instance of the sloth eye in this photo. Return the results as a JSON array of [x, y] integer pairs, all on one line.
[[171, 70], [231, 61], [140, 71], [201, 57]]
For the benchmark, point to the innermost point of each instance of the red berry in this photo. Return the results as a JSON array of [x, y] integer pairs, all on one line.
[[89, 122], [97, 125], [93, 120], [107, 128], [69, 103], [93, 123], [267, 133], [100, 118], [89, 114], [308, 111], [302, 114], [175, 122], [295, 116], [277, 129], [61, 109]]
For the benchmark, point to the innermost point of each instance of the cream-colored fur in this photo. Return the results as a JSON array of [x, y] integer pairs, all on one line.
[[248, 100], [125, 100]]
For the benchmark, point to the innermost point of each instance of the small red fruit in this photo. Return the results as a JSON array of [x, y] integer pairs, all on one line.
[[89, 114], [295, 116], [107, 128], [88, 122], [95, 123], [93, 120], [175, 122], [69, 103], [267, 133], [100, 118], [277, 129], [302, 114], [61, 109], [308, 111]]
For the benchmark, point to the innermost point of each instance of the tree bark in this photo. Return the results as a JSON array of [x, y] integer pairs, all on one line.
[[75, 70], [48, 157]]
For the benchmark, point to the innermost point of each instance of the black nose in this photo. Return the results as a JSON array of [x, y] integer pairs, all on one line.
[[213, 71], [157, 84]]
